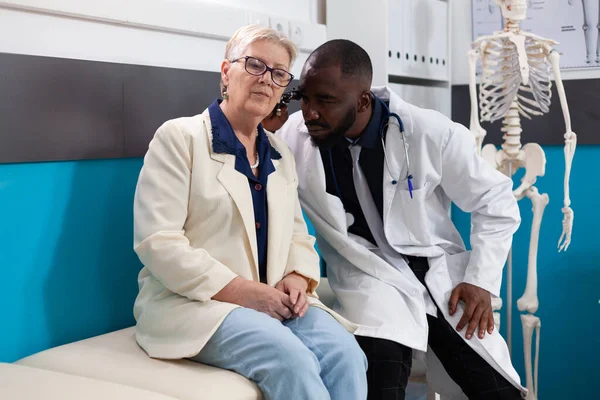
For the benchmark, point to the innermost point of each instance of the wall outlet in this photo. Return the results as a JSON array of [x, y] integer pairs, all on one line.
[[296, 34], [281, 25]]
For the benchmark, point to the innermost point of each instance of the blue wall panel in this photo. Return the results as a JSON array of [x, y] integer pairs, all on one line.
[[66, 260], [70, 272], [66, 255], [568, 282]]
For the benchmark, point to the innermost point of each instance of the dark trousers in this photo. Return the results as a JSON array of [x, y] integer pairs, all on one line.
[[390, 362]]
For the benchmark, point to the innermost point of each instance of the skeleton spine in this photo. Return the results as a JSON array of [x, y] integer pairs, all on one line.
[[511, 26], [511, 126]]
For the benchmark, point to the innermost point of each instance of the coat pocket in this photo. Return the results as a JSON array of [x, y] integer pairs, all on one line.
[[414, 211]]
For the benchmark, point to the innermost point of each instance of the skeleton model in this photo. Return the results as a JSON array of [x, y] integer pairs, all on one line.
[[492, 4], [516, 83], [591, 28]]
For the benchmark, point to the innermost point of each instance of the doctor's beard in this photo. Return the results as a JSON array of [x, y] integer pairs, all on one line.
[[336, 134]]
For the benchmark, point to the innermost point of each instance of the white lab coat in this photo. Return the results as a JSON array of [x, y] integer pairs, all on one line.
[[445, 169]]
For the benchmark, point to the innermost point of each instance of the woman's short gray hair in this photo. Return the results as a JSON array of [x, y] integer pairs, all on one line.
[[249, 34]]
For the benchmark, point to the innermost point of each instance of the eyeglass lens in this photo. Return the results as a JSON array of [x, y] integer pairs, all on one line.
[[254, 66]]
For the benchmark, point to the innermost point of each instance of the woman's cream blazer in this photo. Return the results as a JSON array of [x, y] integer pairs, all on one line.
[[194, 232]]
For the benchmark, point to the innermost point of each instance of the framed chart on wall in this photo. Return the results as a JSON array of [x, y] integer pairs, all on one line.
[[574, 24]]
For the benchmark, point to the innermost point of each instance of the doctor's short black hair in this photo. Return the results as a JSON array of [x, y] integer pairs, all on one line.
[[352, 59]]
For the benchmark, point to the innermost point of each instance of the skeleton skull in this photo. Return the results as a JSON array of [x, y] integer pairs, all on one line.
[[513, 9]]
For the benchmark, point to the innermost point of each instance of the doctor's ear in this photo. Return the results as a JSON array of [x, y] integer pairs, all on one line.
[[364, 102]]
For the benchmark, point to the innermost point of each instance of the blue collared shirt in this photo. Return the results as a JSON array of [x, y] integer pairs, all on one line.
[[225, 141], [338, 161]]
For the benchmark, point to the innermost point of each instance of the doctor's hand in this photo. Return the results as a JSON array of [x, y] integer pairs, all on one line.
[[295, 286], [478, 309], [273, 121]]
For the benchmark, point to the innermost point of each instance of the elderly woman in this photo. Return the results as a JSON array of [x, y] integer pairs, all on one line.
[[230, 270]]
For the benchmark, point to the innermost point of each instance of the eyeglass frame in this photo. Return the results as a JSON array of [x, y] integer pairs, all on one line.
[[267, 69]]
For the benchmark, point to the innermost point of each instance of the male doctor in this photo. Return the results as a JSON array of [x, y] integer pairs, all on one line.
[[379, 200]]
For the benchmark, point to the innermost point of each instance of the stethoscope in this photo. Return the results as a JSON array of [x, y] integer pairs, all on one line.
[[407, 177], [382, 129]]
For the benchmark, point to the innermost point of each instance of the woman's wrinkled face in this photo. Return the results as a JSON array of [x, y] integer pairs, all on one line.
[[256, 95]]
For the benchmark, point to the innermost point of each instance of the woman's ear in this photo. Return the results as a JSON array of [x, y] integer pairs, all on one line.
[[364, 102], [225, 67]]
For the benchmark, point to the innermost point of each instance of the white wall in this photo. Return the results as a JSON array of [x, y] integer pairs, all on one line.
[[364, 24], [432, 97], [462, 39], [192, 34], [414, 27], [189, 34], [292, 9], [57, 36]]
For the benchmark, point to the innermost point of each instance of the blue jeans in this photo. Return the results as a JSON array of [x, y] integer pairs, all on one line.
[[312, 357]]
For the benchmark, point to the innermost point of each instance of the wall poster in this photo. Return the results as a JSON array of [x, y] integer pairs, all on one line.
[[575, 24]]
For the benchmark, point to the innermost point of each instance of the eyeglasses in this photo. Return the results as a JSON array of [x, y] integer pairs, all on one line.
[[257, 67]]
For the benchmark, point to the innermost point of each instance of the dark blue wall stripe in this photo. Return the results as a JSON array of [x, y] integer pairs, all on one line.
[[583, 97], [56, 109]]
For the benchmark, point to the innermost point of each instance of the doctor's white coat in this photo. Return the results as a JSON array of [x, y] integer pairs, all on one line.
[[445, 169]]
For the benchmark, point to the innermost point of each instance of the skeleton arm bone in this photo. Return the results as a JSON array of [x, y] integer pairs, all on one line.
[[570, 144], [474, 125]]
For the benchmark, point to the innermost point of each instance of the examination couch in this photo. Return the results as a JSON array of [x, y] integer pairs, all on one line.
[[112, 366]]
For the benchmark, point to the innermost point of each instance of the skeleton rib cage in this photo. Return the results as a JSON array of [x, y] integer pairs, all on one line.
[[502, 81]]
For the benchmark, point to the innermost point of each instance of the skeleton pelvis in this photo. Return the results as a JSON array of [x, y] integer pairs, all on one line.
[[531, 157], [534, 161], [500, 160]]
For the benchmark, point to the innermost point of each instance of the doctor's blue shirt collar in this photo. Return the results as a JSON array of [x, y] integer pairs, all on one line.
[[370, 138], [225, 141]]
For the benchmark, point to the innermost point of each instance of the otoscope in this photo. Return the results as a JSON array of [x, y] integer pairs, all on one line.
[[286, 98]]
